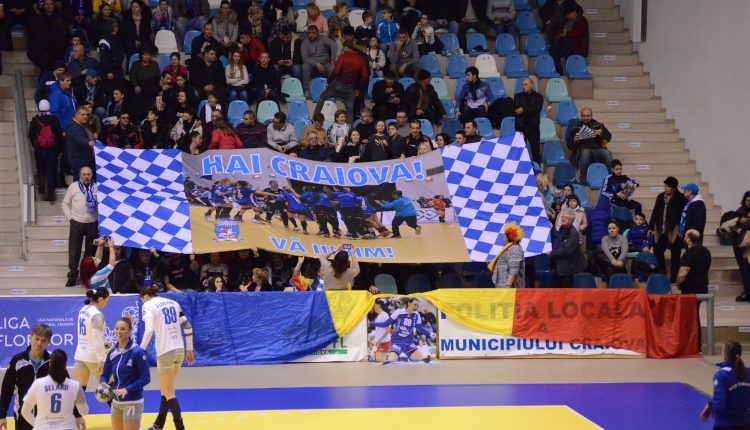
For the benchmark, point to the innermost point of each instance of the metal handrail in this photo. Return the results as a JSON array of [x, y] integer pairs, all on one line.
[[26, 179], [709, 321]]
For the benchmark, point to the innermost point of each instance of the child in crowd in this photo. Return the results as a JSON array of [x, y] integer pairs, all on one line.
[[366, 31], [375, 58], [424, 35], [340, 129], [638, 238], [388, 29]]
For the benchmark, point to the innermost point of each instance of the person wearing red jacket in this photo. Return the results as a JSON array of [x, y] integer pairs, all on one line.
[[223, 137], [573, 39], [250, 47], [347, 78]]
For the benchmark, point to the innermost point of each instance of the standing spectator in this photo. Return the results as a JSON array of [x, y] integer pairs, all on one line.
[[279, 270], [122, 279], [111, 57], [265, 83], [472, 132], [338, 22], [693, 215], [445, 16], [144, 76], [573, 39], [527, 106], [203, 42], [665, 219], [347, 78], [403, 55], [566, 252], [237, 77], [424, 35], [589, 138], [339, 274], [47, 137], [90, 91], [136, 26], [48, 37], [179, 272], [226, 28], [387, 95], [207, 75], [502, 13], [731, 401], [251, 133], [80, 64], [47, 79], [164, 17], [740, 254], [421, 100], [694, 266], [415, 139], [387, 29], [613, 251], [223, 137], [402, 123], [317, 55], [315, 18], [475, 97], [375, 58], [553, 18], [460, 137], [377, 147], [472, 16], [61, 102], [285, 55], [79, 206], [510, 268], [191, 15], [124, 134], [618, 188], [281, 134], [79, 143]]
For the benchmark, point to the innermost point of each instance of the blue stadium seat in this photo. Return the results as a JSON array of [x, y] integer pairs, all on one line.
[[440, 88], [584, 280], [459, 84], [553, 154], [292, 88], [163, 62], [370, 85], [514, 67], [658, 284], [544, 67], [496, 86], [620, 213], [266, 110], [483, 280], [522, 5], [620, 280], [596, 174], [406, 82], [299, 4], [448, 280], [133, 59], [508, 126], [297, 110], [300, 125], [484, 126], [224, 60], [565, 173], [518, 87], [430, 63], [450, 109], [474, 40], [457, 66], [187, 44], [547, 131], [426, 127], [450, 42], [201, 107], [317, 86], [526, 23], [565, 112], [557, 91], [535, 45], [389, 122], [583, 197], [543, 271], [450, 126], [236, 109], [576, 68], [505, 44], [418, 283]]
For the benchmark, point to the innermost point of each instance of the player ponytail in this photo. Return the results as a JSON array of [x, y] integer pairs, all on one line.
[[95, 295], [733, 352], [57, 363], [149, 291]]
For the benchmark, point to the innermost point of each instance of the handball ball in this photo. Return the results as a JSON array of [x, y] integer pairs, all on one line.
[[103, 393]]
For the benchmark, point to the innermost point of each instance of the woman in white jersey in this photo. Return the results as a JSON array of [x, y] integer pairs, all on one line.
[[163, 318], [89, 276], [91, 351], [55, 396], [381, 337]]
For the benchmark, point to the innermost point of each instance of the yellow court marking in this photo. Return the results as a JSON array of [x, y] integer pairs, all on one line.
[[456, 418]]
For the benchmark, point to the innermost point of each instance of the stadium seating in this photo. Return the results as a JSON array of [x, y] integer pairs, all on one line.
[[163, 62], [514, 67], [317, 86], [292, 90], [483, 280], [236, 109], [301, 20], [496, 86], [576, 68], [417, 283], [522, 5], [133, 59], [329, 111], [297, 110], [544, 67], [557, 91], [430, 63], [622, 214], [300, 125], [379, 17], [595, 175], [486, 65], [355, 18], [584, 280], [658, 284], [327, 13], [201, 107], [450, 42], [440, 88], [406, 82], [370, 85], [505, 44], [583, 198], [427, 130], [266, 110], [484, 127], [299, 4], [543, 271], [547, 131], [458, 85], [564, 174], [165, 42], [565, 112], [620, 280], [508, 126], [450, 126], [385, 283], [188, 41], [449, 280], [526, 23], [224, 60], [450, 109], [476, 44], [535, 45], [553, 154], [457, 66]]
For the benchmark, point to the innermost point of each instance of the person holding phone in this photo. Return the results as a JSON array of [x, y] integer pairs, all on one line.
[[339, 273]]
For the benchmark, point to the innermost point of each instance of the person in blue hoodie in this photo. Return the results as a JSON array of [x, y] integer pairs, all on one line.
[[730, 405], [387, 29], [598, 222], [126, 371], [638, 237], [61, 101], [405, 212]]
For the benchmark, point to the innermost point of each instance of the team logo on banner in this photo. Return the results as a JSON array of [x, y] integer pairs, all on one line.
[[227, 230]]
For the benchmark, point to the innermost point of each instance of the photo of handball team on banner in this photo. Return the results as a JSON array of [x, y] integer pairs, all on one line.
[[390, 211], [402, 329]]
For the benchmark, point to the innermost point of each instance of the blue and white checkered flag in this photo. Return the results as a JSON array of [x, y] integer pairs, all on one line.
[[493, 183], [142, 201]]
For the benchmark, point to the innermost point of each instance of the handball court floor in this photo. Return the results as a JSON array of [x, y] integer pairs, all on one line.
[[525, 393]]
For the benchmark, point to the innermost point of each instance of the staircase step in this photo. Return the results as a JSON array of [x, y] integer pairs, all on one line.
[[629, 135], [51, 232], [662, 169], [613, 60], [612, 26], [611, 119], [651, 148], [59, 257], [9, 80], [611, 48], [640, 81], [10, 201], [33, 271], [48, 245], [666, 128], [600, 13], [624, 93], [9, 213], [52, 220], [10, 104], [633, 70], [645, 158], [48, 208], [604, 38], [27, 68], [39, 287], [595, 4]]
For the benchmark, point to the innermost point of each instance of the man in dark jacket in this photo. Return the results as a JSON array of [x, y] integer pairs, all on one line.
[[79, 143], [663, 226], [48, 37], [147, 270], [265, 84], [415, 138], [124, 134], [207, 74], [314, 151], [90, 90], [251, 133], [527, 106], [588, 140], [387, 95], [285, 54], [422, 102], [694, 213], [111, 58], [566, 252], [122, 278], [203, 42], [694, 267]]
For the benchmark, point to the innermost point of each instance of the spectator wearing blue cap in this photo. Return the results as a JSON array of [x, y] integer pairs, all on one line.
[[694, 213]]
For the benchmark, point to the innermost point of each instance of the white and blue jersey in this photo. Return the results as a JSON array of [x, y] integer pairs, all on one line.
[[294, 204], [128, 369], [404, 325], [246, 196]]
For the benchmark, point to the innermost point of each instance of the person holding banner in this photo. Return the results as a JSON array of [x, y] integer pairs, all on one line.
[[163, 318], [91, 350], [340, 273], [90, 277], [508, 268]]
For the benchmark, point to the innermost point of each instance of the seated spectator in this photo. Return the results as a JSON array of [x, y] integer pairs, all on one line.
[[460, 137], [560, 198], [237, 77], [422, 102], [588, 140], [375, 58], [317, 127], [180, 272], [223, 137], [573, 39], [216, 284], [164, 17], [174, 67], [265, 84], [250, 49], [318, 53], [207, 75], [46, 136], [146, 270], [285, 55], [415, 139], [241, 266], [424, 148], [365, 32], [191, 143], [566, 251], [311, 280], [214, 267], [90, 91], [279, 270], [475, 97], [366, 126], [349, 75], [404, 55], [618, 188], [316, 18], [226, 28], [80, 64], [339, 130], [123, 134], [613, 251], [387, 95], [191, 15], [638, 238], [443, 18], [528, 105], [387, 29], [136, 26], [116, 105], [338, 21], [203, 42], [257, 282], [61, 100], [442, 140], [93, 123], [186, 124], [144, 76], [314, 151], [402, 123], [472, 132], [396, 142], [502, 13], [424, 35], [351, 150], [281, 134], [155, 133], [251, 132]]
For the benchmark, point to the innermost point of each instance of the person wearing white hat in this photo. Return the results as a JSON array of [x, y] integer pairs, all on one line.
[[45, 134]]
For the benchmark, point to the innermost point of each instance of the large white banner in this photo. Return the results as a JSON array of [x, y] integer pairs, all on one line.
[[458, 341], [351, 347]]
